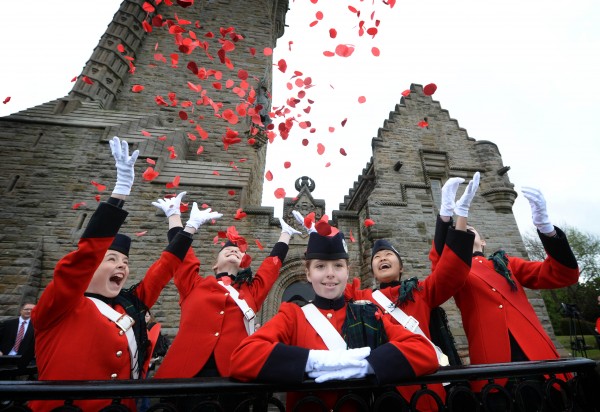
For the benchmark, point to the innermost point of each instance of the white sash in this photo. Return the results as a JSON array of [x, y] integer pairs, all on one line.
[[247, 311], [333, 340], [125, 323], [408, 322]]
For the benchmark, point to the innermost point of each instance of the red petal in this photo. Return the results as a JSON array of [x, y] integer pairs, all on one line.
[[375, 51], [333, 33], [78, 205], [137, 88], [352, 237], [141, 233], [231, 192], [429, 89], [405, 93], [183, 115], [246, 261], [287, 165], [327, 164], [320, 149], [150, 174], [304, 142], [342, 151], [328, 53], [146, 133], [98, 186], [309, 219], [422, 124], [282, 65], [87, 80], [319, 15], [6, 100], [267, 51], [121, 48], [369, 222], [258, 244], [344, 122], [362, 99], [344, 50], [323, 228], [200, 150], [97, 197], [239, 214], [150, 161], [149, 8], [269, 175], [279, 193], [147, 27]]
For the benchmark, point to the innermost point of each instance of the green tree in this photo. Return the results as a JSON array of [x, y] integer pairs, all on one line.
[[584, 294]]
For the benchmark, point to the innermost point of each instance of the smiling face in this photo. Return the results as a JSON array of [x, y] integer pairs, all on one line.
[[328, 277], [386, 266], [111, 275], [228, 260]]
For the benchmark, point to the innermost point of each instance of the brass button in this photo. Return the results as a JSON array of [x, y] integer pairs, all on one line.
[[217, 334], [121, 333], [226, 293], [329, 315], [500, 306], [222, 312], [113, 376], [119, 353], [493, 289]]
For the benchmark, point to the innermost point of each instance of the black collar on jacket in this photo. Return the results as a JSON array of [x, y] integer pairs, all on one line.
[[324, 303], [389, 284]]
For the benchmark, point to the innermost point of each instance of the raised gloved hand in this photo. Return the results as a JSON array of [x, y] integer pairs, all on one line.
[[171, 206], [539, 213], [462, 205], [300, 219], [199, 217], [285, 228], [329, 360], [353, 372], [124, 163], [449, 195]]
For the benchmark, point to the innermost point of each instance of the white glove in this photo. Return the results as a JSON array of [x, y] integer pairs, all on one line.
[[448, 195], [171, 206], [300, 219], [539, 213], [124, 163], [330, 360], [199, 217], [462, 206], [285, 228], [342, 374]]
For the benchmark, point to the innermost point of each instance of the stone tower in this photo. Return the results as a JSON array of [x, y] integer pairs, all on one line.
[[51, 153]]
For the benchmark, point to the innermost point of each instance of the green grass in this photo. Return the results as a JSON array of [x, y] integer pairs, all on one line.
[[590, 341]]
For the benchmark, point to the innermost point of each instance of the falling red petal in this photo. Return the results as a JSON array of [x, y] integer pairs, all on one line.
[[327, 164], [150, 174], [78, 205], [344, 122], [282, 65], [405, 93], [146, 133], [279, 193], [267, 51], [97, 197], [342, 151], [137, 88], [258, 244], [362, 99], [87, 80], [231, 192], [422, 124], [375, 51], [352, 237], [287, 165], [320, 148], [333, 33], [150, 161], [269, 175], [138, 234], [239, 214], [149, 8], [369, 222], [344, 50], [304, 142], [328, 53], [200, 150], [429, 89], [6, 100]]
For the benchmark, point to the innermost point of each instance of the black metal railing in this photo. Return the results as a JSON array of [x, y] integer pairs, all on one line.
[[532, 386]]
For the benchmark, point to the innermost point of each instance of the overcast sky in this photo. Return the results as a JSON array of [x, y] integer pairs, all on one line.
[[520, 74]]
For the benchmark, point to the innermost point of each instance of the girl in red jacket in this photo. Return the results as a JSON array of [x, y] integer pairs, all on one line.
[[317, 341]]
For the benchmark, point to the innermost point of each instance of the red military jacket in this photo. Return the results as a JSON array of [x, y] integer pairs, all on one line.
[[278, 351], [74, 341], [491, 310], [449, 276], [211, 322]]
